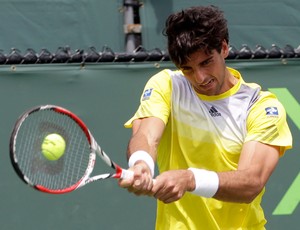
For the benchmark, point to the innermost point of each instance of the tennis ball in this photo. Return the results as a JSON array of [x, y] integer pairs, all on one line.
[[53, 147]]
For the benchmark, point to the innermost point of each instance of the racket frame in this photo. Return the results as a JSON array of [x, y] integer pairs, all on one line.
[[94, 147]]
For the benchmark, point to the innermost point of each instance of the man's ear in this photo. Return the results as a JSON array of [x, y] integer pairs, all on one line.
[[225, 49]]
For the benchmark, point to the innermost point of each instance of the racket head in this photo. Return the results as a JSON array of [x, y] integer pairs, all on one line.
[[58, 176]]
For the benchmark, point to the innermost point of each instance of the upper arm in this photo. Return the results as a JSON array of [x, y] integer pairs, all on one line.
[[259, 160], [256, 164], [150, 119]]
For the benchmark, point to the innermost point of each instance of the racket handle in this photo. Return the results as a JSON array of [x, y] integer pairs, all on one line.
[[127, 174]]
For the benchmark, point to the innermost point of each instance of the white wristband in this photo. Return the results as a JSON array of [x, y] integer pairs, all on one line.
[[144, 156], [206, 182]]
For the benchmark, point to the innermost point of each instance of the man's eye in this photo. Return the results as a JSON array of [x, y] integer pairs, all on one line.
[[207, 62], [185, 69]]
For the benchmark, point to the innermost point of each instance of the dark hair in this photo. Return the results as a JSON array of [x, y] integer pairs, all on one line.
[[194, 29]]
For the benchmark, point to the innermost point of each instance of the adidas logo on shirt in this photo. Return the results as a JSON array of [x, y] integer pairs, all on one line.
[[214, 112]]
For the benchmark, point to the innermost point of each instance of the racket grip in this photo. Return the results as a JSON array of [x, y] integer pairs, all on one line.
[[127, 174]]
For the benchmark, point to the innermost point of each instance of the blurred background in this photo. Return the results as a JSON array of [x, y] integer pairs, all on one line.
[[94, 57]]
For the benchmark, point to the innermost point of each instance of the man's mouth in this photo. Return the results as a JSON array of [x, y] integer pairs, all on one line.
[[207, 83]]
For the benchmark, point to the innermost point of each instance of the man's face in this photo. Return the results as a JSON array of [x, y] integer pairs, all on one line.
[[208, 73]]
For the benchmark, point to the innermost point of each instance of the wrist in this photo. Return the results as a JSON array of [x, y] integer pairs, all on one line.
[[141, 155], [206, 182]]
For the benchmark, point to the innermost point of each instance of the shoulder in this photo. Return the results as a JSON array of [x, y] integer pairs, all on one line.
[[267, 108], [267, 122], [165, 75], [162, 81], [267, 99]]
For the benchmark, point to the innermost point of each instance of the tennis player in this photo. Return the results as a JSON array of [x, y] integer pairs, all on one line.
[[215, 138]]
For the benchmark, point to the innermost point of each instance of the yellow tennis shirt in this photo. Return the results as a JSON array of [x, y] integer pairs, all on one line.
[[208, 132]]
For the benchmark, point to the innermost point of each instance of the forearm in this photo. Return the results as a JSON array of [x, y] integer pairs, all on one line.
[[142, 147], [233, 186], [238, 186], [139, 150], [230, 186], [146, 134], [139, 142]]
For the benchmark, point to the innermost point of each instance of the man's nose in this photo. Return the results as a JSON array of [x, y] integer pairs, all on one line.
[[199, 76]]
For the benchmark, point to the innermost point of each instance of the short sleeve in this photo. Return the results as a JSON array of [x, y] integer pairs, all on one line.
[[155, 100], [266, 123]]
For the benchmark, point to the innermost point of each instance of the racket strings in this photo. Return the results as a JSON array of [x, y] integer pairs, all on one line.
[[58, 174]]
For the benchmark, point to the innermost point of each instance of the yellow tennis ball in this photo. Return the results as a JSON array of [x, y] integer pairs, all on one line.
[[53, 147]]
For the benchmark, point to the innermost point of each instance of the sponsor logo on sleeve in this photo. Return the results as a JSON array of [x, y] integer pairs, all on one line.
[[271, 111], [147, 94]]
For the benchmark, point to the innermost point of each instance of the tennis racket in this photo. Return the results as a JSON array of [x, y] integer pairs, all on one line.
[[70, 172]]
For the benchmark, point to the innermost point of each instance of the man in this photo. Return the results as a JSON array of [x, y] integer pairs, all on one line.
[[216, 139]]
